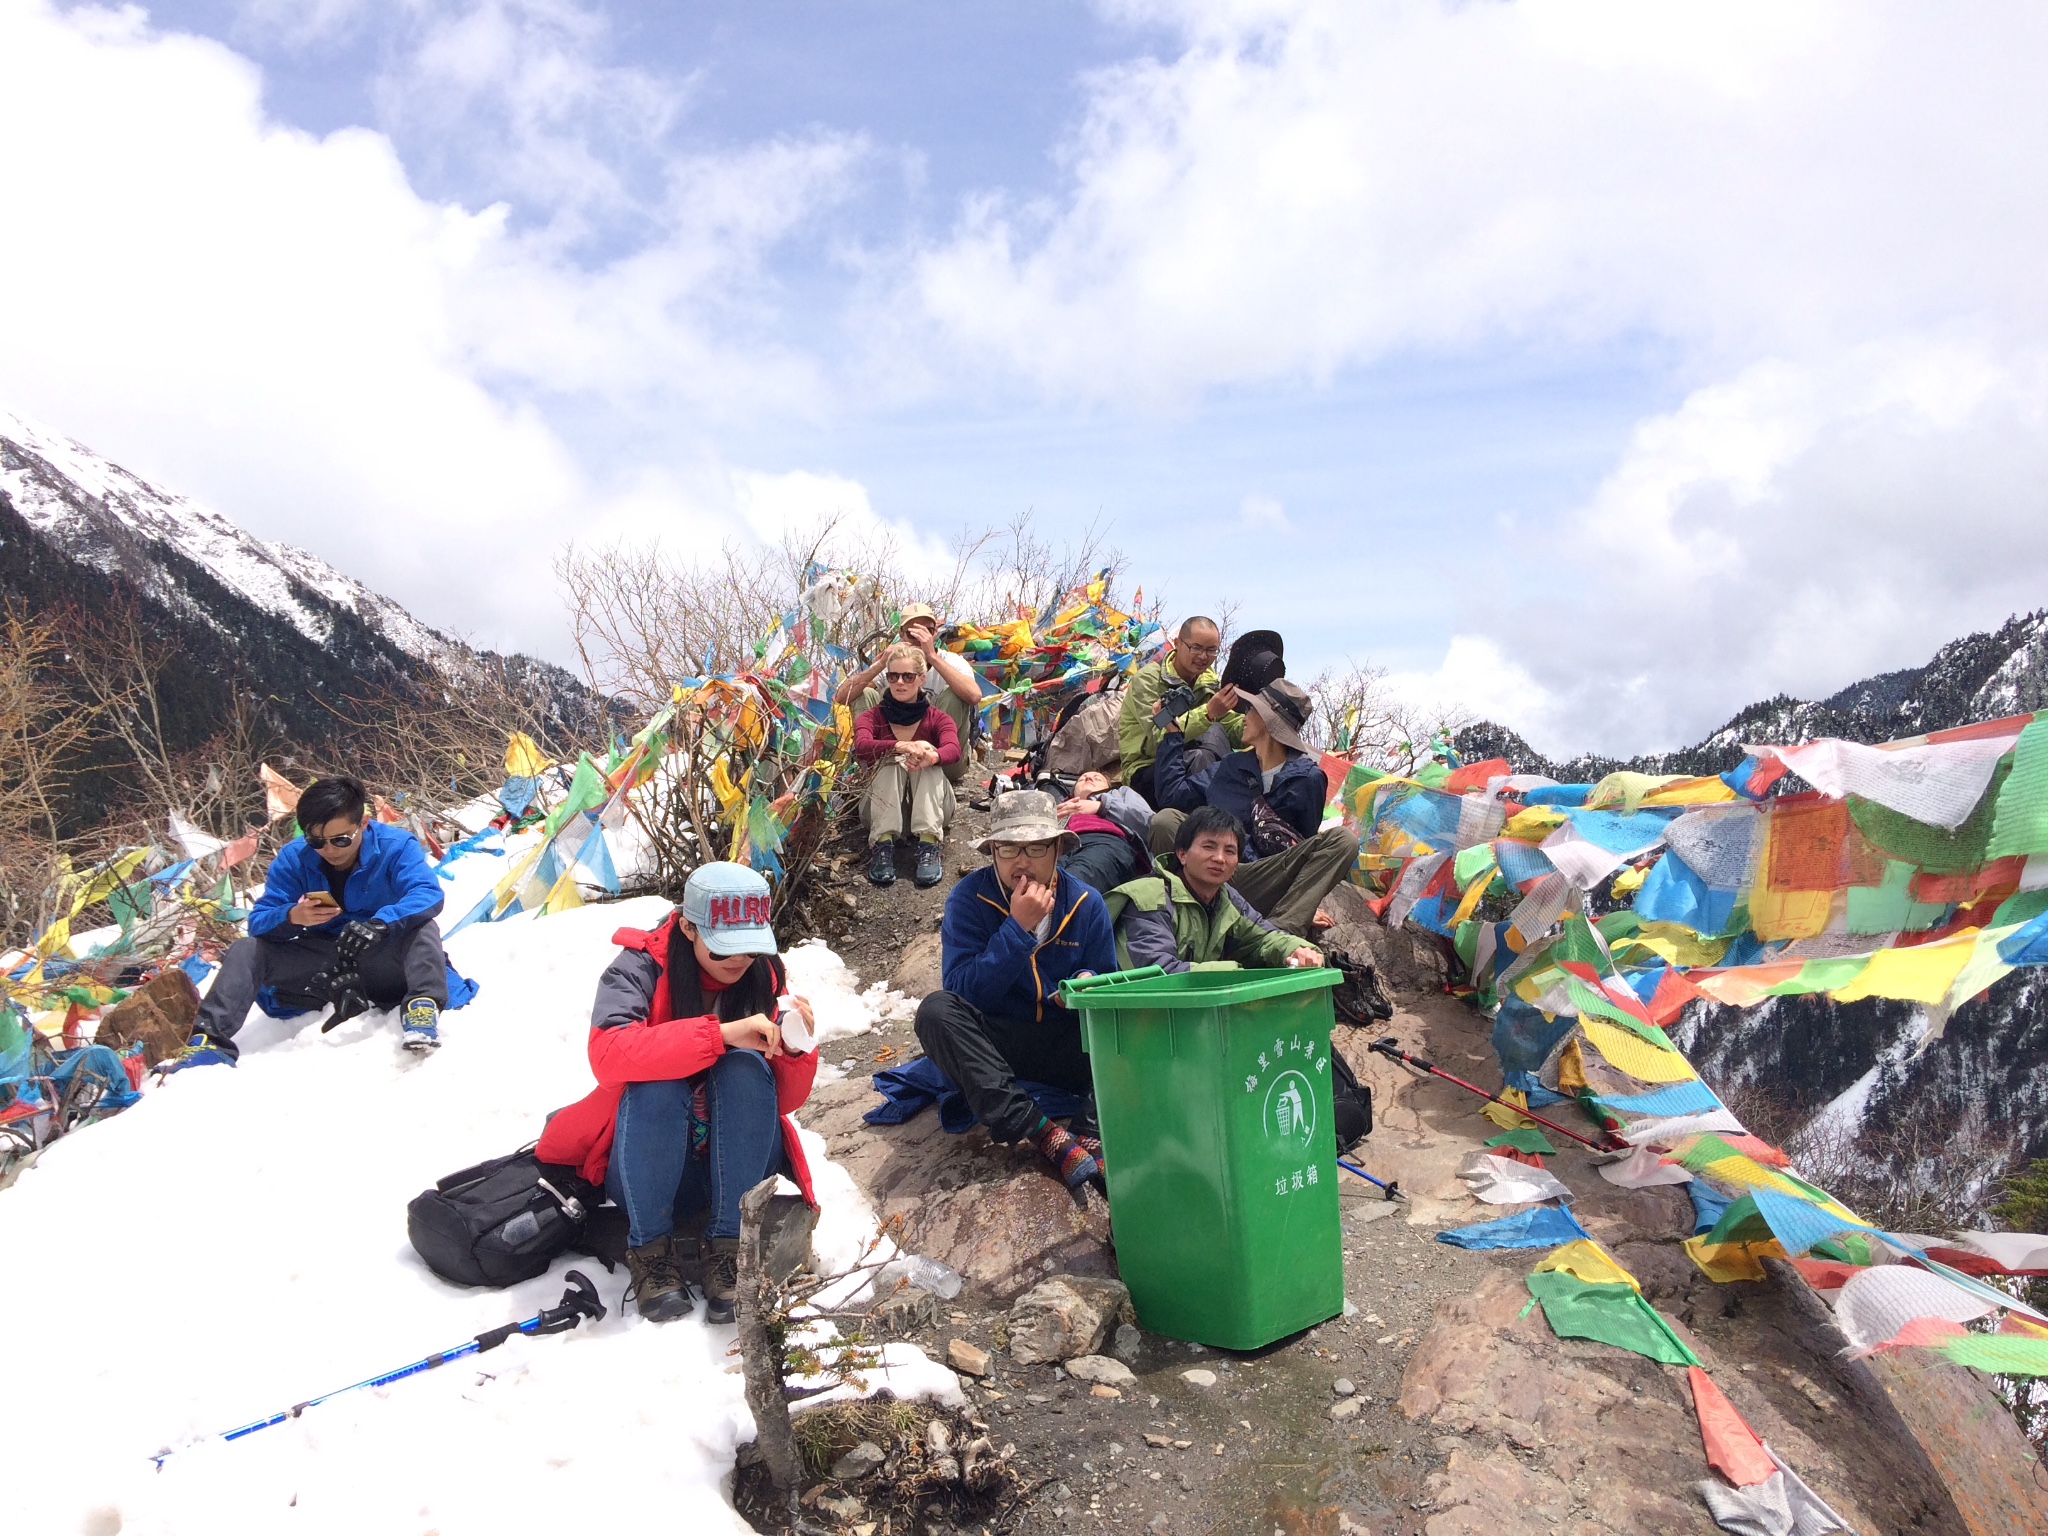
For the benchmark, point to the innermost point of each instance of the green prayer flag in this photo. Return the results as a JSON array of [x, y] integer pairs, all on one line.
[[132, 903], [1608, 1314], [586, 793], [1935, 849], [2020, 824], [1527, 1139], [1471, 863], [2004, 1354]]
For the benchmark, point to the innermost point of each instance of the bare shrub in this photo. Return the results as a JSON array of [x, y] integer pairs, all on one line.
[[1358, 713]]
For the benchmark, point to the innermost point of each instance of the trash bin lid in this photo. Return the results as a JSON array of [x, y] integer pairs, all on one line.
[[1150, 987]]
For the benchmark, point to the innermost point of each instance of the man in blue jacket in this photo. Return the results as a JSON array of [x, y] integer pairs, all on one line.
[[346, 917], [1276, 789], [1014, 930]]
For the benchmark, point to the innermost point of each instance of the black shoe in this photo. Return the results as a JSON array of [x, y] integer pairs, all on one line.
[[931, 865], [882, 863], [658, 1290], [721, 1278]]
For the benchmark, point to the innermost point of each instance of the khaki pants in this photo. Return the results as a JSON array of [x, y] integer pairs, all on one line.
[[926, 794], [1285, 888]]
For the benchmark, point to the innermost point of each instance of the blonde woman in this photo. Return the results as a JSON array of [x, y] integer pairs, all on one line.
[[912, 741]]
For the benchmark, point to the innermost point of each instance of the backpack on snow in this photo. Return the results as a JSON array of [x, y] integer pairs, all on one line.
[[501, 1221]]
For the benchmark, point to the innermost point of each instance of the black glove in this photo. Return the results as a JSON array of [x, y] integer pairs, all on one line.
[[344, 989], [357, 937], [1173, 703]]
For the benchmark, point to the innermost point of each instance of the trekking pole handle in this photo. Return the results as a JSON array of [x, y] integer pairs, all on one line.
[[1391, 1047], [578, 1302]]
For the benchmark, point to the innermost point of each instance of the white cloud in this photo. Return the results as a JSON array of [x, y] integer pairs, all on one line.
[[281, 325], [1310, 185], [1792, 530], [801, 504], [1826, 213]]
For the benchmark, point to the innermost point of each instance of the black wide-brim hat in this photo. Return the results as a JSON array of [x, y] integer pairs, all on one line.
[[1256, 658]]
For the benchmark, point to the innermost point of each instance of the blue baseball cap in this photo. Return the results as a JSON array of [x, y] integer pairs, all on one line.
[[730, 905]]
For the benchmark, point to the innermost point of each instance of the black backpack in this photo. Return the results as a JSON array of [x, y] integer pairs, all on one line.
[[1351, 1103], [502, 1221]]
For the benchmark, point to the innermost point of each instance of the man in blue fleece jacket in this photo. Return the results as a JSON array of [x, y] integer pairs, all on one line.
[[346, 917], [1014, 930]]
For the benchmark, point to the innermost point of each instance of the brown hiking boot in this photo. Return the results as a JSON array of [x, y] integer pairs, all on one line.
[[658, 1290], [721, 1278]]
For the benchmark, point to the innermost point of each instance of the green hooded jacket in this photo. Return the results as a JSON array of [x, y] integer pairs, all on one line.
[[1230, 933], [1136, 738]]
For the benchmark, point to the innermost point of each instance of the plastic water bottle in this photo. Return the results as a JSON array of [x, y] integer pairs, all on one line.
[[942, 1280]]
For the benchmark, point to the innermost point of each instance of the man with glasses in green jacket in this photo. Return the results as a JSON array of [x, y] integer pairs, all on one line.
[[1185, 677]]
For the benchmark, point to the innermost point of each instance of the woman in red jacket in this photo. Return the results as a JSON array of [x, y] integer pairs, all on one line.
[[911, 741], [695, 1085]]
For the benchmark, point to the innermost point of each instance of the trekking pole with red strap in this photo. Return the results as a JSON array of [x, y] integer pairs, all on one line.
[[1389, 1047]]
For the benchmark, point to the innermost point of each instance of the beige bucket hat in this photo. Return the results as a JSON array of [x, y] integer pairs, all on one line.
[[1027, 816]]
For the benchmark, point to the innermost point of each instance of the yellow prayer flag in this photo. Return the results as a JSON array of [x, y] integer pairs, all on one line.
[[1630, 1053], [1920, 973], [1724, 1262], [1587, 1260], [1533, 824], [524, 759], [1503, 1116]]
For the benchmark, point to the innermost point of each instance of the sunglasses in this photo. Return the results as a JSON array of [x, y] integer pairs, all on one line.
[[1007, 853], [904, 677], [339, 840]]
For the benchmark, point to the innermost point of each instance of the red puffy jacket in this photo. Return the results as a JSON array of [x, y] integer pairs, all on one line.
[[657, 1049]]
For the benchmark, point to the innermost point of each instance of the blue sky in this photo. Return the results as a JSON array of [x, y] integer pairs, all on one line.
[[1595, 367]]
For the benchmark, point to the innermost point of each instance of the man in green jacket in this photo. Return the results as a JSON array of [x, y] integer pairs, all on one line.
[[1185, 913], [1189, 668]]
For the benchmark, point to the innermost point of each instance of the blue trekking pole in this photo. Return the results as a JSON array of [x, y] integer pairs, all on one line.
[[1393, 1190], [578, 1302]]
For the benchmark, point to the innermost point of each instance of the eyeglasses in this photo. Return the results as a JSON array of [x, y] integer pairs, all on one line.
[[1009, 853], [904, 677], [1210, 651], [339, 840]]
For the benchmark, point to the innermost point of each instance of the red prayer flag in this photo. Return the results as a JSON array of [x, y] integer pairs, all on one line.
[[1733, 1449]]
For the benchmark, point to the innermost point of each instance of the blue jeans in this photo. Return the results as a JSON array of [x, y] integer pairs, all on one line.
[[654, 1178]]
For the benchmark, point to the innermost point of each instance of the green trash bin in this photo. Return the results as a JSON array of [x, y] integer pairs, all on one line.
[[1213, 1088]]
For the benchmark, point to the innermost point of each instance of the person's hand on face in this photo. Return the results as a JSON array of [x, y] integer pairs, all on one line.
[[1222, 702], [1086, 799], [755, 1032], [1030, 899], [924, 637]]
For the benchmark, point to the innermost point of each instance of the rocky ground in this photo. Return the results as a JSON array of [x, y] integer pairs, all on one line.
[[1439, 1404]]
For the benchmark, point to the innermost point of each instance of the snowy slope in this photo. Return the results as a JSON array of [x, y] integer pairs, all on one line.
[[100, 514], [236, 1243]]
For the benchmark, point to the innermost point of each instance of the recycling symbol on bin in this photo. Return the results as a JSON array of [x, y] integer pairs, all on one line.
[[1290, 1109]]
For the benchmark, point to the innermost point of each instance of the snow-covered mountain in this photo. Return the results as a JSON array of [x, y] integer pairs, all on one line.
[[1980, 677], [1872, 1114], [101, 516], [282, 628]]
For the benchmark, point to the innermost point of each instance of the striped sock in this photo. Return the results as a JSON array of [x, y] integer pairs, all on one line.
[[1064, 1151]]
